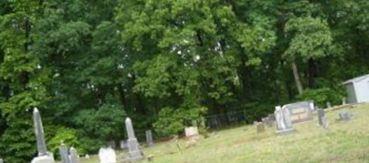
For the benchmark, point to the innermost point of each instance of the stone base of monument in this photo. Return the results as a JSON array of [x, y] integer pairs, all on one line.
[[285, 131], [44, 159], [134, 152]]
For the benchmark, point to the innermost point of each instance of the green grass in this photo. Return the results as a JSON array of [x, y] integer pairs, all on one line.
[[342, 142]]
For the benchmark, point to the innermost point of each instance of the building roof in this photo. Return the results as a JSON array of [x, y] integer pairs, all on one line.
[[357, 79]]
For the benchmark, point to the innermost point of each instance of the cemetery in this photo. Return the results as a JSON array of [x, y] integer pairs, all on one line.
[[188, 81], [341, 141], [344, 139]]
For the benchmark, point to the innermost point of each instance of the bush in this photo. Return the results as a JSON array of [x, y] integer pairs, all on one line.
[[102, 124], [173, 121], [68, 137], [322, 96], [18, 143]]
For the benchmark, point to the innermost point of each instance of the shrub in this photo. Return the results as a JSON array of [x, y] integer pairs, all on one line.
[[322, 96], [173, 121]]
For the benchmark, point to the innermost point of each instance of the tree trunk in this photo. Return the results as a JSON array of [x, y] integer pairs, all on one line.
[[297, 78], [312, 71]]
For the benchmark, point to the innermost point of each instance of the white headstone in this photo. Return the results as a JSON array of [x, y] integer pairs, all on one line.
[[43, 159], [134, 151], [107, 155], [283, 120], [191, 131], [43, 155]]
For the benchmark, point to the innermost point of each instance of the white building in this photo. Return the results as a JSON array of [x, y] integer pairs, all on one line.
[[358, 89]]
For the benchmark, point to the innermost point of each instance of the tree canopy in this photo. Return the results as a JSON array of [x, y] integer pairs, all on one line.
[[165, 63]]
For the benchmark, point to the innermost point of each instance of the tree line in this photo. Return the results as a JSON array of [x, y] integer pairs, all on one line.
[[88, 64]]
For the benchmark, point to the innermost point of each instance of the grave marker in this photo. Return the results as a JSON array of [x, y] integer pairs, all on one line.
[[259, 127], [107, 155], [63, 151], [133, 146], [322, 119], [73, 157], [344, 116], [300, 111], [43, 155], [283, 120], [149, 139]]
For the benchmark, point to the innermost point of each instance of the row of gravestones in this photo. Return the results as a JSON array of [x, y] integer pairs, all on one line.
[[283, 122], [106, 155]]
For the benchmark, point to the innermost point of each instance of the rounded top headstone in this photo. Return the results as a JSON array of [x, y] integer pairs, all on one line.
[[128, 120], [35, 110]]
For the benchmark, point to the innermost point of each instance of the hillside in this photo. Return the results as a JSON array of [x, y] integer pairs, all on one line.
[[342, 142]]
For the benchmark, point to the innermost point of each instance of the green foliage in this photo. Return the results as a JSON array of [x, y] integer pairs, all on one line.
[[66, 136], [17, 144], [88, 64], [102, 124], [311, 38], [322, 96], [173, 121]]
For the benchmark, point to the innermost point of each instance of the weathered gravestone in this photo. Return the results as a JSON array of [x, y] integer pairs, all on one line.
[[192, 132], [322, 119], [269, 120], [107, 155], [344, 101], [345, 116], [134, 151], [68, 157], [63, 151], [73, 156], [300, 111], [1, 160], [149, 139], [283, 120], [259, 127], [43, 155]]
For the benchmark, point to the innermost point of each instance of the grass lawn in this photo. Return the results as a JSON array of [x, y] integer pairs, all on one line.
[[342, 142]]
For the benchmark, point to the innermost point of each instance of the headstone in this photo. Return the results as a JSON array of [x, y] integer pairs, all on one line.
[[63, 151], [43, 155], [203, 122], [73, 157], [1, 160], [191, 132], [344, 101], [322, 118], [283, 120], [134, 151], [39, 132], [269, 120], [87, 156], [149, 139], [107, 155], [259, 127], [329, 104], [344, 116], [43, 159], [301, 111]]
